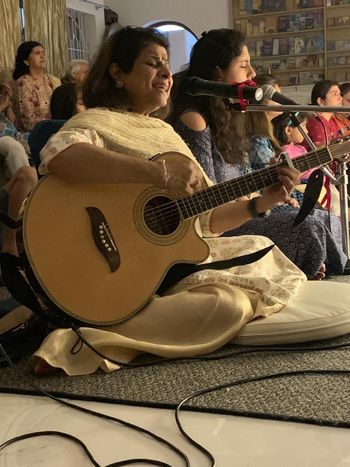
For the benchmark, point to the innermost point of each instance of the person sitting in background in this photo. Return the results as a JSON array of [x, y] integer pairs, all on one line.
[[219, 139], [324, 127], [66, 101], [114, 142], [33, 86], [342, 118], [290, 138], [12, 196], [345, 94], [14, 148], [76, 71]]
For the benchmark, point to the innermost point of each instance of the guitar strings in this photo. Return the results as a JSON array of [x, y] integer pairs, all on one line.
[[189, 200], [170, 211]]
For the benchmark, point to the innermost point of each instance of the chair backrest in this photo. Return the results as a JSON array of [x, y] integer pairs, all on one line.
[[40, 136]]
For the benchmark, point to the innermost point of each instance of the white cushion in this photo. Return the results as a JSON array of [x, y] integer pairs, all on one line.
[[321, 310]]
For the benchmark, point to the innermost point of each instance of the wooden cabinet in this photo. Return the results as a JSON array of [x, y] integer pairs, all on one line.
[[300, 41]]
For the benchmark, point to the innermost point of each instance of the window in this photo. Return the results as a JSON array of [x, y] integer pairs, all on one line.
[[82, 40], [181, 40]]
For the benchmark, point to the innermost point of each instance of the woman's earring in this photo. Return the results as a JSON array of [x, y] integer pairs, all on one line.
[[118, 84]]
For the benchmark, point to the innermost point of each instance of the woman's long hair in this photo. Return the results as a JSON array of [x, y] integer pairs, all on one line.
[[23, 52], [215, 49]]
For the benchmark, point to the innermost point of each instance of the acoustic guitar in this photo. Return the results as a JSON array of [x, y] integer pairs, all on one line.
[[100, 251]]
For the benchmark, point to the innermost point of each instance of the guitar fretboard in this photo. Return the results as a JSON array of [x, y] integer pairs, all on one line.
[[222, 193]]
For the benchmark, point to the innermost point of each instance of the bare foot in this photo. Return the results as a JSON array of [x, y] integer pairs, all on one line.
[[42, 368], [321, 273]]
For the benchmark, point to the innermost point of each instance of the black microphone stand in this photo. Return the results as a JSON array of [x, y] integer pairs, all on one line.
[[341, 179]]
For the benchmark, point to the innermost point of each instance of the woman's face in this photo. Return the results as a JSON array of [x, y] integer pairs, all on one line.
[[346, 99], [332, 98], [149, 82], [239, 69], [79, 105], [36, 58], [81, 73]]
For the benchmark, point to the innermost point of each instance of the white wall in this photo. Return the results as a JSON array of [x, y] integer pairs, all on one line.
[[198, 15]]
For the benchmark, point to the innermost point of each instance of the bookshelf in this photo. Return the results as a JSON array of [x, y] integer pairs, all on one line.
[[300, 41]]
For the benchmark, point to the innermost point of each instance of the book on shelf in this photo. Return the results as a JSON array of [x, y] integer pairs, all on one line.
[[276, 46], [309, 3], [273, 5], [299, 62], [267, 47], [283, 24], [291, 63], [311, 61], [314, 44], [293, 79], [270, 25], [337, 2], [284, 46], [330, 45], [340, 76], [259, 48], [299, 45], [252, 47], [257, 6], [340, 21]]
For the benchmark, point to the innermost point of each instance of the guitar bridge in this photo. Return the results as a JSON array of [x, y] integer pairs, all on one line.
[[103, 237]]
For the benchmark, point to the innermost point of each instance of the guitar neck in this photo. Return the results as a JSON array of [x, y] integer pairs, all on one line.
[[222, 193]]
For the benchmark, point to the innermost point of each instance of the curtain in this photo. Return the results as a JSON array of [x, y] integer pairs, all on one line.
[[45, 22], [10, 32]]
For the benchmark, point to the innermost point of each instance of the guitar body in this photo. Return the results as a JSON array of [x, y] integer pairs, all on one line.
[[100, 251]]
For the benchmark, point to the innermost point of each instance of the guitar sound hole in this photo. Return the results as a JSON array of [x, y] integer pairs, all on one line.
[[161, 215]]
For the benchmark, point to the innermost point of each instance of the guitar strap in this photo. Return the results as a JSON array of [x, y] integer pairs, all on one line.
[[181, 270], [311, 195]]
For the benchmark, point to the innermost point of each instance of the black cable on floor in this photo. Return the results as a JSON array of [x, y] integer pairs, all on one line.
[[137, 428]]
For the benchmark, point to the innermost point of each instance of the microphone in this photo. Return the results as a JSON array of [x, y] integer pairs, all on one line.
[[270, 93], [202, 87]]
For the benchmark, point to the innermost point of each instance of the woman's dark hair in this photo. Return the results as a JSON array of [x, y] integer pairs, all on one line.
[[321, 89], [344, 88], [266, 78], [281, 122], [213, 51], [23, 52], [63, 102], [122, 48]]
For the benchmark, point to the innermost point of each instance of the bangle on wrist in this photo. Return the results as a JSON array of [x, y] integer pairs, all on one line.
[[251, 206], [166, 174]]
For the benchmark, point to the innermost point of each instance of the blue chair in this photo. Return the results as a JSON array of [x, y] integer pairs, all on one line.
[[40, 135]]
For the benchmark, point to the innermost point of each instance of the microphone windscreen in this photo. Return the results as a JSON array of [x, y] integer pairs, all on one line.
[[268, 90]]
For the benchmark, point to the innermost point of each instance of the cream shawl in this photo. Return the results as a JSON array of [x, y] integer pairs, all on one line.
[[131, 133]]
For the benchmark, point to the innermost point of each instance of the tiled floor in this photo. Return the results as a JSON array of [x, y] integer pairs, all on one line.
[[234, 441]]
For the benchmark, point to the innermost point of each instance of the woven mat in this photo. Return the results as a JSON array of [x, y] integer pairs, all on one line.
[[321, 399]]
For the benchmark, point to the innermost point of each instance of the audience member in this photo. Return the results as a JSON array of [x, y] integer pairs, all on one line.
[[12, 196], [14, 148], [76, 71], [33, 87], [66, 101], [324, 127], [342, 118]]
